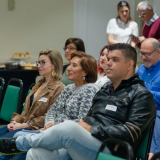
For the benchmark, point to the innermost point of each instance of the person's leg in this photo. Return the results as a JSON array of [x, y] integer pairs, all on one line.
[[11, 133], [21, 133], [7, 134], [155, 144], [42, 154], [78, 142], [19, 156], [3, 131]]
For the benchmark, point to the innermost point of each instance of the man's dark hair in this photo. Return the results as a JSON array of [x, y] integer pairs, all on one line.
[[127, 50]]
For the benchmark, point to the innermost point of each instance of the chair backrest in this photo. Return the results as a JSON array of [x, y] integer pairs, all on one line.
[[144, 148], [142, 153], [1, 89], [12, 100], [30, 89], [104, 156]]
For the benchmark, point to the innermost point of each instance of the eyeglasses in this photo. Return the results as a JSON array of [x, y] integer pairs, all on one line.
[[142, 14], [42, 63], [146, 54], [69, 48]]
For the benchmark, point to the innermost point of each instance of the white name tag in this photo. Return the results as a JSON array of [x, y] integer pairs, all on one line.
[[111, 107], [43, 99]]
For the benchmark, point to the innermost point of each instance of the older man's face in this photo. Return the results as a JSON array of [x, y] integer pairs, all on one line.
[[149, 60], [145, 15]]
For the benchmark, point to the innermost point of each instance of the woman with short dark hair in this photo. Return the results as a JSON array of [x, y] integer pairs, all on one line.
[[72, 45]]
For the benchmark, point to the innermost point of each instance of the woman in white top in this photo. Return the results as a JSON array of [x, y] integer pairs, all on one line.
[[121, 28], [102, 67]]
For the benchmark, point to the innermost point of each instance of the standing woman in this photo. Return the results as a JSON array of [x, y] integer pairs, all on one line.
[[102, 67], [72, 45], [119, 29]]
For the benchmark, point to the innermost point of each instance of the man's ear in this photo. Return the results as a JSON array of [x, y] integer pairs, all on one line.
[[130, 65], [150, 9]]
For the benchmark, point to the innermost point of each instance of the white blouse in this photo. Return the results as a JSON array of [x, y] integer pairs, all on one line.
[[120, 30], [101, 81]]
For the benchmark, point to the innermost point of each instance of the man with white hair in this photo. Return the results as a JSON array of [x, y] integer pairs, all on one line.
[[151, 27]]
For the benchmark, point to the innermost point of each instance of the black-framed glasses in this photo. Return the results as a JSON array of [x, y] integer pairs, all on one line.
[[42, 63], [142, 14], [147, 54], [69, 48]]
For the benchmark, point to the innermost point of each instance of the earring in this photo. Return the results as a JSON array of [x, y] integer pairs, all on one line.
[[53, 73], [84, 78]]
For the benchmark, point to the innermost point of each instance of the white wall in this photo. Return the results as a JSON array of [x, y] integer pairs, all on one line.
[[35, 25], [91, 18], [156, 6]]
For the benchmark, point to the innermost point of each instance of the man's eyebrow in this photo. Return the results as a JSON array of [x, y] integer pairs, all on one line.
[[113, 57]]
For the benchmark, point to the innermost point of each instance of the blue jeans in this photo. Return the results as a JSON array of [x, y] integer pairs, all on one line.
[[77, 142], [155, 144], [4, 133]]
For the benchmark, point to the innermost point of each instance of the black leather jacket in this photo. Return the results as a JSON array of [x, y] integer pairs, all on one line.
[[126, 113]]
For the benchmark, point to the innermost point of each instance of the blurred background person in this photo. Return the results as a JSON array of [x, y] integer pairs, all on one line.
[[121, 28], [151, 27], [102, 67], [72, 45]]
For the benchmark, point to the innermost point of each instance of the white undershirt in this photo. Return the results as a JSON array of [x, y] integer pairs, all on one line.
[[120, 30]]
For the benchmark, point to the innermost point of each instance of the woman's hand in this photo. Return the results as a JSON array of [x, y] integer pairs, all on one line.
[[14, 125], [42, 129], [85, 125], [49, 124], [10, 125]]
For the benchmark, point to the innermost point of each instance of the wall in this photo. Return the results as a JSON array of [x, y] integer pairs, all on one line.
[[38, 24], [35, 25]]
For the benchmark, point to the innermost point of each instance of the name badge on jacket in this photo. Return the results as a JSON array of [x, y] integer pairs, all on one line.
[[43, 99], [111, 107]]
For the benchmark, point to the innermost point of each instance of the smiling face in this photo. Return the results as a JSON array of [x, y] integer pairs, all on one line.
[[45, 67], [103, 59], [153, 58], [75, 71], [123, 13], [70, 48]]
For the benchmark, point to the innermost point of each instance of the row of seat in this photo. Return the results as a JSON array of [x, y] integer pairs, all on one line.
[[10, 98], [10, 101], [141, 154]]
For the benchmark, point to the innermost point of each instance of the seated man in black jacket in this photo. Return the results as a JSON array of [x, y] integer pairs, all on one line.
[[122, 109]]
